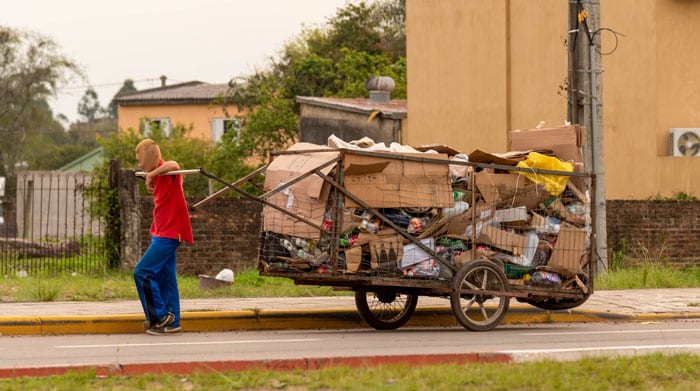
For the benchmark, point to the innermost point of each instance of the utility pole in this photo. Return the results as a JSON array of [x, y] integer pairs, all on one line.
[[585, 107]]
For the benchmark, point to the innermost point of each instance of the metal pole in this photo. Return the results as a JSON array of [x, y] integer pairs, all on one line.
[[175, 172], [601, 237], [586, 99]]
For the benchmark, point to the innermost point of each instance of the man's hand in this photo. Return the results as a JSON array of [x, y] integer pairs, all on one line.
[[149, 182]]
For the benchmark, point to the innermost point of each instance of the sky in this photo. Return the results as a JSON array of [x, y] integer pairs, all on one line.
[[206, 40]]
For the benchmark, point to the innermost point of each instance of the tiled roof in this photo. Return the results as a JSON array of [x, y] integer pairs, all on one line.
[[189, 92], [392, 109]]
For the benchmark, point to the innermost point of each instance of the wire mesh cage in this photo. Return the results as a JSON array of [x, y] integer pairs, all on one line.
[[331, 212]]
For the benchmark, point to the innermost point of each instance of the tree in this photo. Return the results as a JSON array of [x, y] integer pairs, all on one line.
[[89, 105], [359, 42], [31, 68], [127, 87], [189, 152]]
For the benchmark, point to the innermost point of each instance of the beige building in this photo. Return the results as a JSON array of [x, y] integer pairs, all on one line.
[[192, 104], [478, 68]]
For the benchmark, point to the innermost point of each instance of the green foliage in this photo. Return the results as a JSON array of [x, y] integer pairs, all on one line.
[[678, 196], [189, 152], [361, 41], [649, 275], [639, 372], [109, 284]]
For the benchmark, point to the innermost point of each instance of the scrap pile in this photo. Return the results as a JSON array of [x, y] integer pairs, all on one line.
[[412, 212]]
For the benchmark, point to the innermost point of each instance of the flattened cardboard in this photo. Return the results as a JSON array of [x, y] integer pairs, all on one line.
[[307, 198], [383, 182], [301, 205], [570, 250], [502, 239], [386, 251], [479, 156], [439, 148], [353, 258], [284, 168], [510, 190], [566, 141]]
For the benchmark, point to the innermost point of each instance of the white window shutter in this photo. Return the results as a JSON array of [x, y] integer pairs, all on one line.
[[167, 127], [217, 129]]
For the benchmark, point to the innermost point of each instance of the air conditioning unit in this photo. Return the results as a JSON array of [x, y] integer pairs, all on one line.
[[684, 142]]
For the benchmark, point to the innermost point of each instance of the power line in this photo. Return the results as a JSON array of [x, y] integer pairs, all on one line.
[[86, 86]]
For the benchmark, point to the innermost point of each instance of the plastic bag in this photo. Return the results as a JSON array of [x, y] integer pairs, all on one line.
[[555, 184]]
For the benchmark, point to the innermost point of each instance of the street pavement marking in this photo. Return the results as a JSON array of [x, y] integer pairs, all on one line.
[[122, 345], [613, 332], [593, 349]]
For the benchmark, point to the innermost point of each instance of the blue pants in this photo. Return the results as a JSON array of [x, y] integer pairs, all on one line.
[[156, 282]]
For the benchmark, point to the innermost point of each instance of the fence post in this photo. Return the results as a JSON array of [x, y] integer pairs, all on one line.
[[130, 217], [113, 219]]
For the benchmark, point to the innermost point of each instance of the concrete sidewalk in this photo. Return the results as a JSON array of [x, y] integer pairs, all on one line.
[[115, 317]]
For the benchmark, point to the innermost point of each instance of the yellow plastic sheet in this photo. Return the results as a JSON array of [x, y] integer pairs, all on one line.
[[555, 184]]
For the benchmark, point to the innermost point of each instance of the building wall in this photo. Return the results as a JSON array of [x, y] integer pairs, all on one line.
[[653, 230], [316, 124], [198, 116], [478, 68], [226, 235]]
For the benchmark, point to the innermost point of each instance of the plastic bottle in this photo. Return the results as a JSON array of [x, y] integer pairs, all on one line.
[[287, 244], [301, 243]]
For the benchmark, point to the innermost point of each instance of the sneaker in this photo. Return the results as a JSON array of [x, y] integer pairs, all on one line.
[[164, 330], [167, 320]]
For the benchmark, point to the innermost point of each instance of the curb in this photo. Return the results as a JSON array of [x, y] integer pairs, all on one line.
[[255, 319], [186, 368]]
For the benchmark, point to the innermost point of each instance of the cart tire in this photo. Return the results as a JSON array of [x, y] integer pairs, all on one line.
[[386, 309], [480, 312], [556, 304]]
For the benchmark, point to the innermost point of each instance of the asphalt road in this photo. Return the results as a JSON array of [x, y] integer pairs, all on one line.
[[522, 342]]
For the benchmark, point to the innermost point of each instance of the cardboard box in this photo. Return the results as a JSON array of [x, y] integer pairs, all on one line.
[[307, 198], [353, 258], [515, 216], [566, 141], [510, 190], [385, 182], [578, 182], [570, 251], [385, 247], [502, 239], [386, 251]]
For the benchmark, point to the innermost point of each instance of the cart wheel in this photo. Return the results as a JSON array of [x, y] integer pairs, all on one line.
[[474, 311], [385, 310]]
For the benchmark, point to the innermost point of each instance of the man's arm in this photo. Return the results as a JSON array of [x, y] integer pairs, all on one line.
[[170, 165]]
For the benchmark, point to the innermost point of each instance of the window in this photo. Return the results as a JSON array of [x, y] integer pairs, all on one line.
[[221, 126], [149, 124]]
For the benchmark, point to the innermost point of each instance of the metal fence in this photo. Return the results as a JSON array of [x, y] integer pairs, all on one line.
[[52, 222]]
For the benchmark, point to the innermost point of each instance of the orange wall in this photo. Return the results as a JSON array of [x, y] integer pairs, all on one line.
[[478, 68], [198, 116]]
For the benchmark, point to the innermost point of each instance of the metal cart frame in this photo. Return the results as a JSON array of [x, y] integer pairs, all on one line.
[[479, 291]]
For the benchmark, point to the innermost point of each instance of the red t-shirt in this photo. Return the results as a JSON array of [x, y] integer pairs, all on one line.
[[170, 216]]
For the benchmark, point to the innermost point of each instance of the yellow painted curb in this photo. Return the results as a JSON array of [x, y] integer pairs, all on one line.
[[254, 319]]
